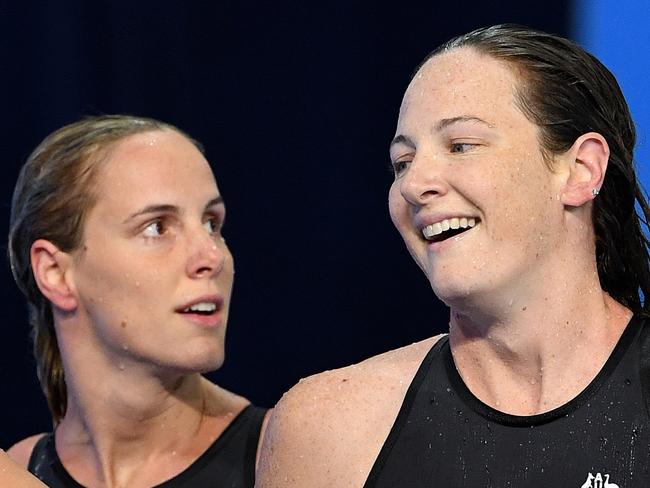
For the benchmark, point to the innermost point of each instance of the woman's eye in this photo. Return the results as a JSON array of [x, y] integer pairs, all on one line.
[[400, 166], [460, 147], [154, 229], [212, 225]]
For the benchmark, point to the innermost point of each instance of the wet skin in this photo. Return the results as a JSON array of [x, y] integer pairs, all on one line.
[[157, 247], [463, 148]]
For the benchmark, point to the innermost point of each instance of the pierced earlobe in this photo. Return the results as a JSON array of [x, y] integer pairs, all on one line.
[[587, 163]]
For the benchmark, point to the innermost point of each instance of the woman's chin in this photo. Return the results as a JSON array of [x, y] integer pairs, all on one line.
[[198, 360], [208, 361], [454, 295]]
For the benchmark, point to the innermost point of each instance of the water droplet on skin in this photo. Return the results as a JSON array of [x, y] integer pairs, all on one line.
[[125, 347], [121, 366]]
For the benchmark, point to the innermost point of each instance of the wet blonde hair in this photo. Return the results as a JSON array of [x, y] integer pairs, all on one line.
[[53, 194]]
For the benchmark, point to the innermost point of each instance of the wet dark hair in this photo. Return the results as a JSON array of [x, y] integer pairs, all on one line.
[[567, 92], [54, 192]]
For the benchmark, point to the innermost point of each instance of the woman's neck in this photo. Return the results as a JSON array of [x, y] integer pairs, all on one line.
[[542, 351], [132, 428]]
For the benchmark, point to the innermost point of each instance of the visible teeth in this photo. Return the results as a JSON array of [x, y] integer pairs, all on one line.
[[432, 230], [201, 307], [444, 225]]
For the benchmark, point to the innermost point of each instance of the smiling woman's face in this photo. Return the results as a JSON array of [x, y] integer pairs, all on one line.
[[465, 156], [153, 275]]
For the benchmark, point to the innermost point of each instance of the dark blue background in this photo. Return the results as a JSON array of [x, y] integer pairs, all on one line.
[[296, 103]]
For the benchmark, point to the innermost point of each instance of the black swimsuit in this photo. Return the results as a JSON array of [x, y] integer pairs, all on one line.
[[445, 437], [228, 463]]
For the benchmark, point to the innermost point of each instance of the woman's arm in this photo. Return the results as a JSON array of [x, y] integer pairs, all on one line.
[[13, 475], [21, 451]]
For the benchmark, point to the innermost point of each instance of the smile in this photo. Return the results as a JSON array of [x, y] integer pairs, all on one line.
[[446, 228]]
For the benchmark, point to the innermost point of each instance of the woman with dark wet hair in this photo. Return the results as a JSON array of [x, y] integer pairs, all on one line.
[[515, 193], [115, 240]]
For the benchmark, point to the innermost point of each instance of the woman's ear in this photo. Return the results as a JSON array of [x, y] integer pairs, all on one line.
[[51, 268], [587, 161]]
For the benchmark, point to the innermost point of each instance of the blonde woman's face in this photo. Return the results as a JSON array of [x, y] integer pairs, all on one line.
[[153, 276]]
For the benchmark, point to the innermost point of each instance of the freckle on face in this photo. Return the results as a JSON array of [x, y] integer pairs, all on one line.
[[508, 182]]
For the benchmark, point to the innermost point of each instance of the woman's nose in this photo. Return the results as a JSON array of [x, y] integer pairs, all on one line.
[[207, 256], [422, 180]]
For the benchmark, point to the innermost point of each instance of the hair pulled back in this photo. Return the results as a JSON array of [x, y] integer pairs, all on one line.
[[53, 194], [567, 92]]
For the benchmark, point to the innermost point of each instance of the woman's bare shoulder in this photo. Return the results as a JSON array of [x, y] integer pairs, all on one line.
[[342, 416], [13, 475], [22, 450], [329, 391]]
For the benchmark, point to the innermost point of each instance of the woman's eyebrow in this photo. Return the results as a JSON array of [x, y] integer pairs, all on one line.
[[444, 123], [155, 208], [215, 201], [400, 139], [167, 208]]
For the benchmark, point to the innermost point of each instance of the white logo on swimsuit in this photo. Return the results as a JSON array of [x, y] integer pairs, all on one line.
[[598, 482]]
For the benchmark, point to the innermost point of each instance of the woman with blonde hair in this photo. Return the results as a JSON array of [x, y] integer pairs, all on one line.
[[115, 240]]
